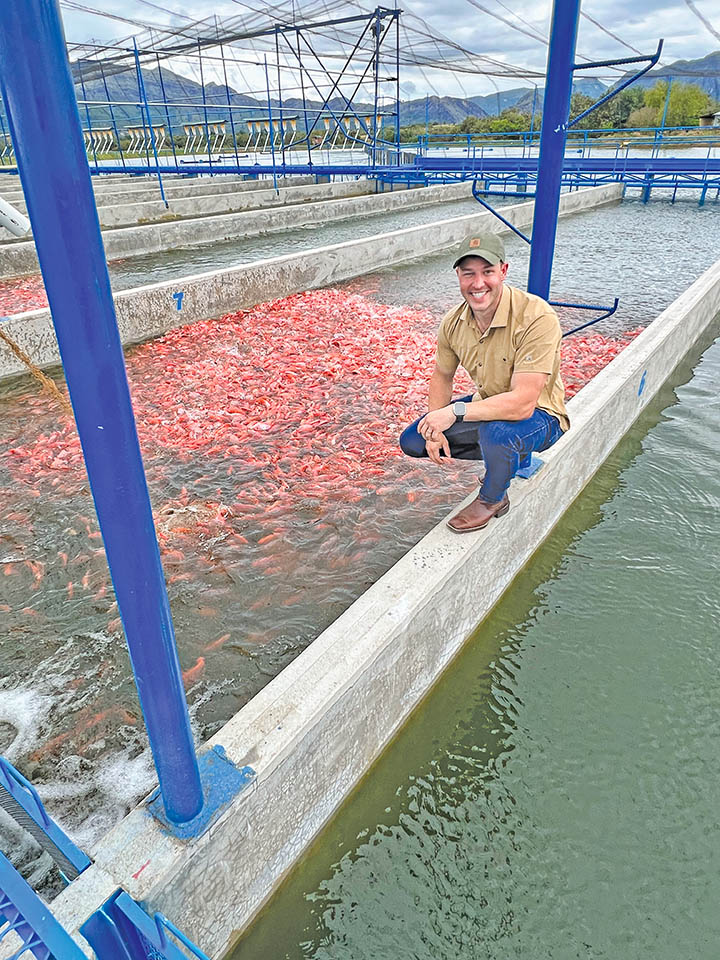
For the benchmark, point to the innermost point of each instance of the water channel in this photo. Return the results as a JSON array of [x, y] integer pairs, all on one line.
[[555, 795]]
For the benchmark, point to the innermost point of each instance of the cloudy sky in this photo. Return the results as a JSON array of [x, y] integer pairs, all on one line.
[[505, 30]]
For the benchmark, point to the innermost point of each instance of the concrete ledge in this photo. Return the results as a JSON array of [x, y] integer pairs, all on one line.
[[128, 210], [125, 189], [19, 257], [152, 310], [231, 202], [314, 730]]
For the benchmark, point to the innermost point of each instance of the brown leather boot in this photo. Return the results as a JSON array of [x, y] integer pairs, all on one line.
[[478, 514]]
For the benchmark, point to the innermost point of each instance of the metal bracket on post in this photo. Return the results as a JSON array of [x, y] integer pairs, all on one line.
[[221, 782]]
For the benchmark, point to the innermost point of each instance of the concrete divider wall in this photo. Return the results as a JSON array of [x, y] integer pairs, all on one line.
[[226, 201], [314, 730], [149, 311], [145, 191], [18, 257], [232, 202]]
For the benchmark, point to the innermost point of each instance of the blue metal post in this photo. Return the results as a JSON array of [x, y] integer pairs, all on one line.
[[665, 109], [204, 100], [37, 89], [87, 115], [229, 103], [281, 117], [532, 119], [272, 131], [112, 114], [167, 110], [556, 112], [145, 112]]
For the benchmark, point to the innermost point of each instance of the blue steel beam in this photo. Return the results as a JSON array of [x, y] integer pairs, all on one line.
[[37, 89], [556, 111], [455, 168]]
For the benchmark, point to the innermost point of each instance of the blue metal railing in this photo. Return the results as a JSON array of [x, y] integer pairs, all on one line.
[[120, 930]]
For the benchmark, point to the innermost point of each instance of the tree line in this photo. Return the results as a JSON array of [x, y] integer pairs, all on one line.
[[633, 107]]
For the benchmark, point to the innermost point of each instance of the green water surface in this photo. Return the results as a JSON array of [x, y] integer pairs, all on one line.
[[556, 796]]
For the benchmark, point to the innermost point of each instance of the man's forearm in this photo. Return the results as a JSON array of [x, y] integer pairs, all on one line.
[[502, 406], [439, 391]]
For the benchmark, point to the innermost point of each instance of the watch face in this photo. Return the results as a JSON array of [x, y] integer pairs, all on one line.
[[459, 408]]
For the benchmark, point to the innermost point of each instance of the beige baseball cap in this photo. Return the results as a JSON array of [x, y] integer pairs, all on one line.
[[486, 245]]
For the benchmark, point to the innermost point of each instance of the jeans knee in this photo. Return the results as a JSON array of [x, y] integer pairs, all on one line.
[[411, 443]]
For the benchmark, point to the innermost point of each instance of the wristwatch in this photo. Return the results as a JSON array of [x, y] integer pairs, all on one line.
[[459, 408]]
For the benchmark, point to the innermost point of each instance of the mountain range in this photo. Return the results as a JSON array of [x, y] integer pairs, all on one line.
[[178, 90], [185, 97]]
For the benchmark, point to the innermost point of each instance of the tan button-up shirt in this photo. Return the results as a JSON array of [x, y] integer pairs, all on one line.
[[524, 336]]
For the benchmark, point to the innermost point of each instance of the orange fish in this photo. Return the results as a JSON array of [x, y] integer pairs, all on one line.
[[189, 676], [218, 643]]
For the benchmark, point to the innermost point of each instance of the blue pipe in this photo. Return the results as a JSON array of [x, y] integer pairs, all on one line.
[[37, 89], [556, 111]]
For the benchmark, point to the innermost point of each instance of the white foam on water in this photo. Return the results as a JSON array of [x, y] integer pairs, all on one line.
[[24, 710]]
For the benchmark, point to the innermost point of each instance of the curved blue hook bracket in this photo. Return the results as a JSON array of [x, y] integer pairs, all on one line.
[[608, 312], [495, 213]]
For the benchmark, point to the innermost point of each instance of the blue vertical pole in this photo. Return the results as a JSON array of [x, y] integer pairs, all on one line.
[[167, 111], [272, 131], [204, 100], [37, 89], [532, 119], [665, 108], [112, 113], [146, 113], [556, 112], [87, 115]]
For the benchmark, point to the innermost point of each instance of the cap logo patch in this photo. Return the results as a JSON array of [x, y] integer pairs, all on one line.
[[475, 242]]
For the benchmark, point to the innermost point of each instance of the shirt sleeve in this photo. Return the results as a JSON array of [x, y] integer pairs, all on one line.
[[445, 357], [539, 345]]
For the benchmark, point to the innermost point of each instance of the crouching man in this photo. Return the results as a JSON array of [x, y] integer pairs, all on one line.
[[509, 343]]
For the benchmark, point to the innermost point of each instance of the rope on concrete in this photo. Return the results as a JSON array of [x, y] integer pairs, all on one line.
[[48, 385]]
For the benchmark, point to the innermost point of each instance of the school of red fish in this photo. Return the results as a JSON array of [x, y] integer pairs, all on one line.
[[270, 443]]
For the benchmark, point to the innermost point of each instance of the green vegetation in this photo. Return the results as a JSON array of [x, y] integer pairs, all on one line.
[[633, 107]]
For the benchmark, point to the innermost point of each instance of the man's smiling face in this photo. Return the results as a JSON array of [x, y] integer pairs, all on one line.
[[481, 284]]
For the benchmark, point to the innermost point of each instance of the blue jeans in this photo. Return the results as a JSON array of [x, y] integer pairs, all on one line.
[[504, 445]]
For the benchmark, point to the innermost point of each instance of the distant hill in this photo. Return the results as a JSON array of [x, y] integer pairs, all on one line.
[[439, 110], [704, 72], [522, 97]]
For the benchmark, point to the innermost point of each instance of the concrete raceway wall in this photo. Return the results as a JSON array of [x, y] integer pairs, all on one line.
[[152, 310]]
